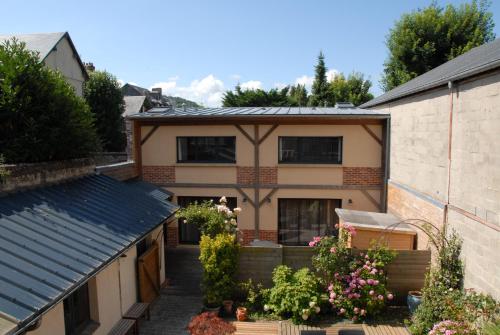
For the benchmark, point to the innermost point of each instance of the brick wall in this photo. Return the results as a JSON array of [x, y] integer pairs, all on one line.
[[363, 176], [246, 175], [158, 174], [172, 235], [248, 235]]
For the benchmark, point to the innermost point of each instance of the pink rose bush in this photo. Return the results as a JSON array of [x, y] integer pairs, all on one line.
[[448, 327], [355, 282]]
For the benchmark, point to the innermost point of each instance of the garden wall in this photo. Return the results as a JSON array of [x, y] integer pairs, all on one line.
[[405, 273]]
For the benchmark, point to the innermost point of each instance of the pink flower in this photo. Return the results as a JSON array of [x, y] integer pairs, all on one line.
[[372, 292], [362, 282], [330, 287], [356, 310], [336, 226], [370, 281], [373, 271], [342, 310], [362, 312], [380, 297], [349, 296], [376, 282], [312, 244], [354, 318], [333, 250], [390, 296], [333, 295]]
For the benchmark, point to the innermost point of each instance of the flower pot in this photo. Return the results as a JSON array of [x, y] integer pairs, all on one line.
[[413, 300], [241, 314], [228, 307], [212, 310]]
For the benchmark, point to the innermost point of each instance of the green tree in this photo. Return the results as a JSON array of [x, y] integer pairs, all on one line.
[[429, 37], [320, 93], [105, 98], [298, 95], [256, 98], [354, 89], [41, 117]]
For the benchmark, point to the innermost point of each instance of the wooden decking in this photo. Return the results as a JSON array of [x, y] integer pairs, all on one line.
[[286, 328]]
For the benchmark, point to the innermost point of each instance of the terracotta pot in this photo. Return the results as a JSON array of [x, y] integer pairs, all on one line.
[[241, 314], [228, 307], [212, 310], [413, 300]]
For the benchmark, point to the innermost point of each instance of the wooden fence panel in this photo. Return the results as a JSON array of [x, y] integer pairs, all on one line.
[[148, 265], [405, 273]]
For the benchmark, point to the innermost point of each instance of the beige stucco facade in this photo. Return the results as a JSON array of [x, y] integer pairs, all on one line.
[[301, 181], [63, 59], [112, 291], [463, 191]]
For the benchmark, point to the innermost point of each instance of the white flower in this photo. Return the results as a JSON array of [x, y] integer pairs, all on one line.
[[221, 208], [312, 304], [223, 200], [237, 210], [185, 221], [266, 308], [228, 212], [237, 229], [317, 309], [233, 222], [305, 316]]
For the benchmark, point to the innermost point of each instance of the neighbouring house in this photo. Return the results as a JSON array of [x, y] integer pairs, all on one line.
[[445, 156], [56, 51], [75, 255], [154, 98], [133, 104], [287, 168]]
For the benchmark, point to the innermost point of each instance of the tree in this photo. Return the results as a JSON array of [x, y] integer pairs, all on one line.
[[429, 37], [105, 98], [354, 89], [41, 117], [320, 93], [256, 98], [298, 95]]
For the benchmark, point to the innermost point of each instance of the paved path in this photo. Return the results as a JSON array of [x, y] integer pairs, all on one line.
[[181, 299]]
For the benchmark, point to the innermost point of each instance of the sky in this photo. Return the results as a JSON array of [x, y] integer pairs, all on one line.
[[198, 49]]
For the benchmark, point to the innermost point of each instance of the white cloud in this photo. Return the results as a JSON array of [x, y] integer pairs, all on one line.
[[251, 85], [280, 86], [305, 80], [330, 74], [207, 91], [120, 82]]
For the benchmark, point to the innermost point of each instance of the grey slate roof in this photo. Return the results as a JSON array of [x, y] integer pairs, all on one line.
[[52, 239], [222, 112], [133, 104], [44, 43], [480, 59]]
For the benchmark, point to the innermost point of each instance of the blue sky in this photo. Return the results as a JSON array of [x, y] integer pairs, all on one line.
[[199, 49]]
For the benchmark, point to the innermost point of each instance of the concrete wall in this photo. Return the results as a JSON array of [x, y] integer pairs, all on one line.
[[64, 60], [420, 128], [52, 323], [361, 165]]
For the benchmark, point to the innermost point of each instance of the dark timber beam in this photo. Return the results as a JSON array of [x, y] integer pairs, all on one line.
[[257, 179], [269, 195], [372, 134], [243, 131], [371, 199], [266, 135], [245, 196], [279, 186], [149, 134]]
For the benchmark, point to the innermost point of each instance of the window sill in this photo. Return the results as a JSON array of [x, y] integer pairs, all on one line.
[[205, 164], [309, 165]]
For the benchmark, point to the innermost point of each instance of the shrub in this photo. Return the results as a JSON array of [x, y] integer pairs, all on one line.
[[449, 327], [41, 117], [211, 219], [253, 295], [219, 260], [209, 324], [105, 98], [295, 295]]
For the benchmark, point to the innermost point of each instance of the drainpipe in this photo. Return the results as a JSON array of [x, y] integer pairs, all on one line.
[[451, 85]]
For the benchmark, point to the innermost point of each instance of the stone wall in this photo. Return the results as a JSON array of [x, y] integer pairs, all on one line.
[[121, 171], [24, 176]]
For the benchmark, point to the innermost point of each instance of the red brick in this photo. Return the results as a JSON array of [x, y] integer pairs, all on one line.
[[158, 174], [246, 175], [172, 236], [362, 176], [248, 235]]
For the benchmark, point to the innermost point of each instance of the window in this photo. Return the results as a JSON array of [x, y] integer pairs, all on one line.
[[206, 149], [299, 220], [310, 150], [77, 311], [189, 233]]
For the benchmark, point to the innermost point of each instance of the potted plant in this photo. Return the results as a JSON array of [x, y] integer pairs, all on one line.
[[241, 313], [413, 300], [209, 324], [228, 307]]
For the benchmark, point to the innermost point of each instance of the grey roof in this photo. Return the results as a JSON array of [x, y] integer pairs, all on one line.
[[374, 221], [480, 59], [133, 104], [52, 239], [44, 43], [225, 112]]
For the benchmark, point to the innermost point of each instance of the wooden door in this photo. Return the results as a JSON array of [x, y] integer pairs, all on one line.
[[149, 274]]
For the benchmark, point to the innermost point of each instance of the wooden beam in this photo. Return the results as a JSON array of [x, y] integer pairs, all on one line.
[[243, 131], [257, 179], [245, 196], [370, 198], [372, 134], [269, 195], [149, 134], [268, 186], [266, 135]]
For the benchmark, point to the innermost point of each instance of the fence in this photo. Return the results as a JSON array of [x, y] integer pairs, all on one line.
[[405, 273]]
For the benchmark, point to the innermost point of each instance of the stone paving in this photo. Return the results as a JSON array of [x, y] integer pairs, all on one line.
[[181, 299]]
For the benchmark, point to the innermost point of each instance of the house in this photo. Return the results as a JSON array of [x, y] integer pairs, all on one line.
[[56, 51], [287, 168], [69, 253], [154, 98], [133, 104], [445, 157]]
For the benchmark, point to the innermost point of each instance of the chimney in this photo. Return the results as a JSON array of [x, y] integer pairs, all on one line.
[[89, 67], [157, 92]]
